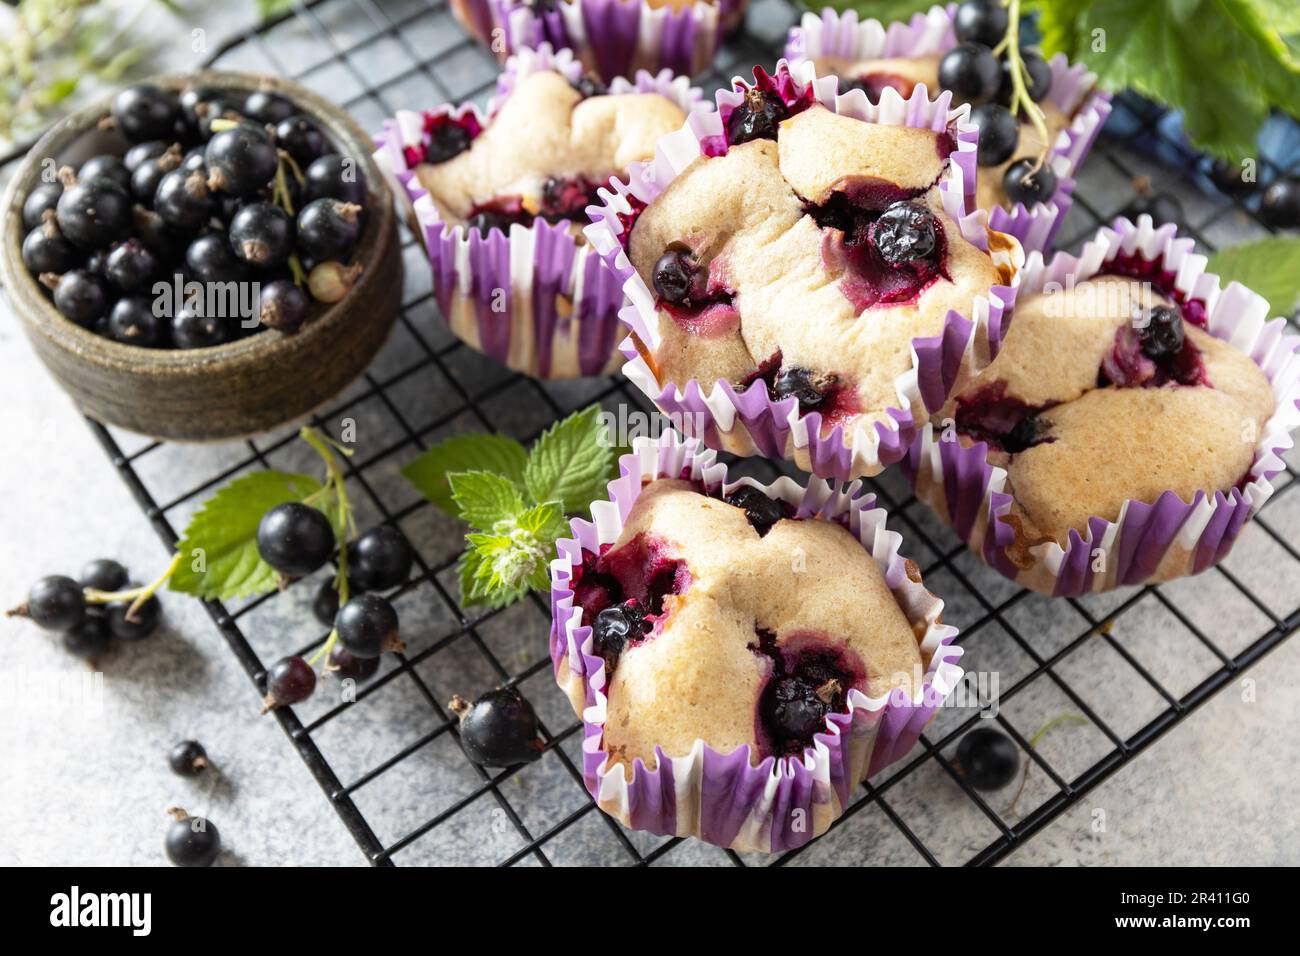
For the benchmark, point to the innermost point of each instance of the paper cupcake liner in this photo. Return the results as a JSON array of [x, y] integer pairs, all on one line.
[[783, 802], [1150, 541], [1073, 90], [611, 37], [750, 422], [538, 299]]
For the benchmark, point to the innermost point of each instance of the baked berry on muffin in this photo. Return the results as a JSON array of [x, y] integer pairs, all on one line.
[[708, 634], [543, 155], [1108, 390], [803, 255]]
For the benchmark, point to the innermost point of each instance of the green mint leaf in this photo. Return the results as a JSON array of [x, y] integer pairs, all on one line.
[[219, 546], [428, 473], [499, 568], [485, 498], [570, 462], [1270, 267]]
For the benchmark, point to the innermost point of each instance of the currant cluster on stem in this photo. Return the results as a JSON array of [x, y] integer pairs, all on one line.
[[217, 187]]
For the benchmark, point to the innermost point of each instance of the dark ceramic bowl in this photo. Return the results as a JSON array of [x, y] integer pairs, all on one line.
[[226, 391]]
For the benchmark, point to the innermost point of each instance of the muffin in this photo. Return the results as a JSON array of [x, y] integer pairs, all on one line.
[[1127, 379], [612, 37], [865, 55], [729, 632], [498, 200], [796, 261]]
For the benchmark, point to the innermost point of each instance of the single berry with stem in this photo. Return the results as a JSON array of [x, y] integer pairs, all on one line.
[[367, 626], [987, 758], [145, 112], [55, 603], [1024, 184], [757, 117], [295, 539], [188, 758], [345, 664], [191, 841], [88, 639], [761, 511], [282, 305], [328, 228], [981, 21], [289, 681], [999, 133], [380, 559], [241, 160], [95, 213], [971, 71], [134, 627], [499, 729], [262, 234], [183, 199], [1040, 75], [104, 574]]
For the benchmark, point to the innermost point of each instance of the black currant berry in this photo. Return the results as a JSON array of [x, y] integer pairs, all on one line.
[[138, 153], [88, 639], [240, 161], [105, 166], [183, 199], [224, 106], [588, 86], [1023, 184], [209, 258], [1229, 179], [796, 712], [499, 729], [999, 133], [380, 559], [1040, 75], [1161, 336], [191, 329], [45, 250], [146, 176], [79, 295], [675, 276], [289, 681], [446, 140], [130, 266], [614, 627], [301, 138], [166, 244], [325, 605], [758, 117], [346, 664], [188, 758], [905, 232], [192, 841], [44, 197], [262, 234], [485, 222], [333, 177], [283, 306], [55, 603], [132, 322], [103, 574], [761, 511], [971, 71], [146, 620], [95, 213], [144, 112], [367, 625], [328, 229], [987, 758], [268, 108], [295, 538], [1280, 206], [798, 382], [1025, 433], [981, 21]]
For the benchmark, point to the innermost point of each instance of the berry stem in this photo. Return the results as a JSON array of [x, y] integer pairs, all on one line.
[[335, 482], [1033, 745], [137, 596], [1019, 72]]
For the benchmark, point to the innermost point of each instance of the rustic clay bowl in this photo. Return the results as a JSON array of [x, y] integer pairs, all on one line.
[[226, 391]]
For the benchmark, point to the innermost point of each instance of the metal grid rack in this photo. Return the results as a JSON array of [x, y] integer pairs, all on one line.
[[376, 57]]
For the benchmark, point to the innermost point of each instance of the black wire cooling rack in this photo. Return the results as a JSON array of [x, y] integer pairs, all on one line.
[[1081, 670]]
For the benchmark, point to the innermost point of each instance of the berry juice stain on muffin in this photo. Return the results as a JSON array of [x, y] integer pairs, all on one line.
[[543, 155], [707, 632], [806, 251], [1109, 390]]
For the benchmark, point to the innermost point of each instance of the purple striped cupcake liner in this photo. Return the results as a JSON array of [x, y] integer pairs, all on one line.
[[1150, 541], [537, 299], [611, 37], [750, 422], [782, 802], [843, 35]]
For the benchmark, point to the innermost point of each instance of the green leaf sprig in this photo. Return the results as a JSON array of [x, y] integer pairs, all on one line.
[[1270, 267], [515, 500]]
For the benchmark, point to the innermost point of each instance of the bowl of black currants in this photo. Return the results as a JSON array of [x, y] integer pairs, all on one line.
[[203, 257]]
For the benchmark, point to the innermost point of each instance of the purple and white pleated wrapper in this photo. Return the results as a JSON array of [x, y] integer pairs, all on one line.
[[843, 35], [1150, 541], [750, 422], [611, 37], [782, 802], [558, 317]]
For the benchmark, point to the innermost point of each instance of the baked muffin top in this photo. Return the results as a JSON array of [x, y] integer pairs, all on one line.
[[1110, 390], [805, 259], [730, 622], [543, 154], [905, 73]]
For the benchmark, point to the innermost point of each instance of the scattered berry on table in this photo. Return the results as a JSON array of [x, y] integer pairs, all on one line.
[[188, 758], [987, 758], [499, 729], [192, 841]]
